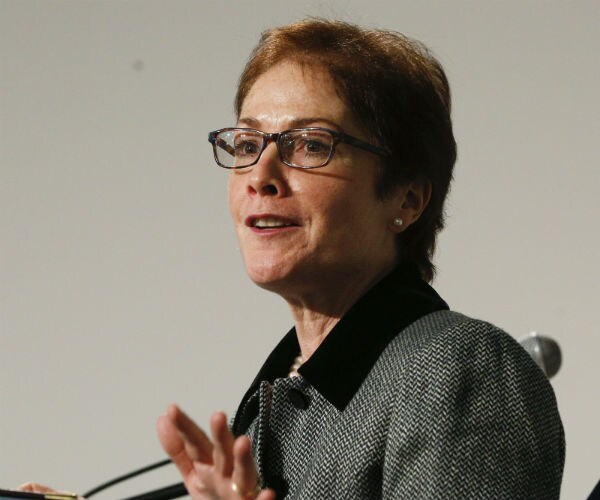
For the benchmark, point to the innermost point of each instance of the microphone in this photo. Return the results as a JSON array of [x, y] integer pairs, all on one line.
[[544, 351]]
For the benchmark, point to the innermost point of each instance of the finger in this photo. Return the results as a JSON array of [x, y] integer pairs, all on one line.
[[266, 495], [244, 469], [223, 444], [35, 488], [197, 444], [40, 488], [244, 474], [173, 440]]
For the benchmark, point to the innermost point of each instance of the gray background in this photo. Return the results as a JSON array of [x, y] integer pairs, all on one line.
[[121, 285]]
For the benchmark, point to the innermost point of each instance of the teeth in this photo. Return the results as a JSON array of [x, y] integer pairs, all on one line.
[[269, 222]]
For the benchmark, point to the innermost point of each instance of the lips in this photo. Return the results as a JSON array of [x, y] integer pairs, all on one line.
[[269, 221]]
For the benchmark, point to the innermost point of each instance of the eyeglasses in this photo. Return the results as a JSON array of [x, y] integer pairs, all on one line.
[[310, 147]]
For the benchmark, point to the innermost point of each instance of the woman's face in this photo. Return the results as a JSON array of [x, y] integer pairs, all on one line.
[[306, 231]]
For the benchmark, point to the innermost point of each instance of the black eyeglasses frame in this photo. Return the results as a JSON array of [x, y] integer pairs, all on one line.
[[276, 137]]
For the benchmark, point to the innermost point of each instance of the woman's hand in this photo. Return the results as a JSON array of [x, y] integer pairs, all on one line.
[[221, 469]]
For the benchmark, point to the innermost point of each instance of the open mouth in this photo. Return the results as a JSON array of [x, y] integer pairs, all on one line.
[[270, 223]]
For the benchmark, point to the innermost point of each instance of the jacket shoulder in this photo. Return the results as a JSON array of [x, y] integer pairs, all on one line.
[[469, 405], [443, 339]]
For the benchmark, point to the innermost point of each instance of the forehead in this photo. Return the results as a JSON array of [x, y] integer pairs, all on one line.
[[292, 92]]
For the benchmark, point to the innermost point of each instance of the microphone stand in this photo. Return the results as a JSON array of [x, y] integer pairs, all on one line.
[[167, 493]]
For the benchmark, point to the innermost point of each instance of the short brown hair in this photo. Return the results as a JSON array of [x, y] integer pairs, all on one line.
[[400, 95]]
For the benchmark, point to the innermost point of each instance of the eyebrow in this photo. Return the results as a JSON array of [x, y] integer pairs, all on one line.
[[295, 123]]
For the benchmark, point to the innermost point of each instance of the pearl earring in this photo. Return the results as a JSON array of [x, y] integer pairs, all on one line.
[[398, 222]]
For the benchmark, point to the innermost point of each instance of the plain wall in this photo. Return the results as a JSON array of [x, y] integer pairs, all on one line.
[[121, 284]]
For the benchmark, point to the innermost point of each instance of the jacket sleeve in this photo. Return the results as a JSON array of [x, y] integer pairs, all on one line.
[[474, 418]]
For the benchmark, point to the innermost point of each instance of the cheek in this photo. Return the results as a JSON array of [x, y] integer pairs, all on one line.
[[354, 211], [233, 193], [334, 210]]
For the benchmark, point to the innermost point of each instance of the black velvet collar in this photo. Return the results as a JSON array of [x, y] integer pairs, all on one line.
[[341, 363]]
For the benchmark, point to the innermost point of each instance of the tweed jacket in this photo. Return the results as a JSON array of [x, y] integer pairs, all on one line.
[[444, 407]]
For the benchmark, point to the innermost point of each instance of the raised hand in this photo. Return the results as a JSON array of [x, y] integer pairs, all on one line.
[[221, 469]]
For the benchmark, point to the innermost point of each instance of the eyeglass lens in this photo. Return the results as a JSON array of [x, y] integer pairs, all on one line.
[[298, 148]]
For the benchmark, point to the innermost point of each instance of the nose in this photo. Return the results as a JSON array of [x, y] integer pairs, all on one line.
[[268, 176]]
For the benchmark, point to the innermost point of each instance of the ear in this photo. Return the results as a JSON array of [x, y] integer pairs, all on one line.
[[408, 203]]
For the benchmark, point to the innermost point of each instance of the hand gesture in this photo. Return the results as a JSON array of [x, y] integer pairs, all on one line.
[[221, 469]]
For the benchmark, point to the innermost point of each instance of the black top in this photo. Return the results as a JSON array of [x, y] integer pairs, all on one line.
[[355, 342]]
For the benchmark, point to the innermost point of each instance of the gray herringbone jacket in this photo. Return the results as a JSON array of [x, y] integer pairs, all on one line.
[[452, 408]]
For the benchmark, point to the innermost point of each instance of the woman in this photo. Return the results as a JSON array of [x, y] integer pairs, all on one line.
[[340, 163]]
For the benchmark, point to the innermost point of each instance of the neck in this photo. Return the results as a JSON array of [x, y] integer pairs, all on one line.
[[315, 314]]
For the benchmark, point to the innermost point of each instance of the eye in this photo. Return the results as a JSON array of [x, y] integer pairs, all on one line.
[[312, 144], [246, 146]]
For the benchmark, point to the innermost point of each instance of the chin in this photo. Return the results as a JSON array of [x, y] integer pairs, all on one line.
[[270, 276], [266, 278]]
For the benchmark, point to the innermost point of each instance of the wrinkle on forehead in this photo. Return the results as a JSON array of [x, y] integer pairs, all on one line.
[[270, 120], [291, 122], [291, 94]]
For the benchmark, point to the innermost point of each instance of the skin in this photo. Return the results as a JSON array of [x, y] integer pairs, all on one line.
[[341, 241], [209, 467]]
